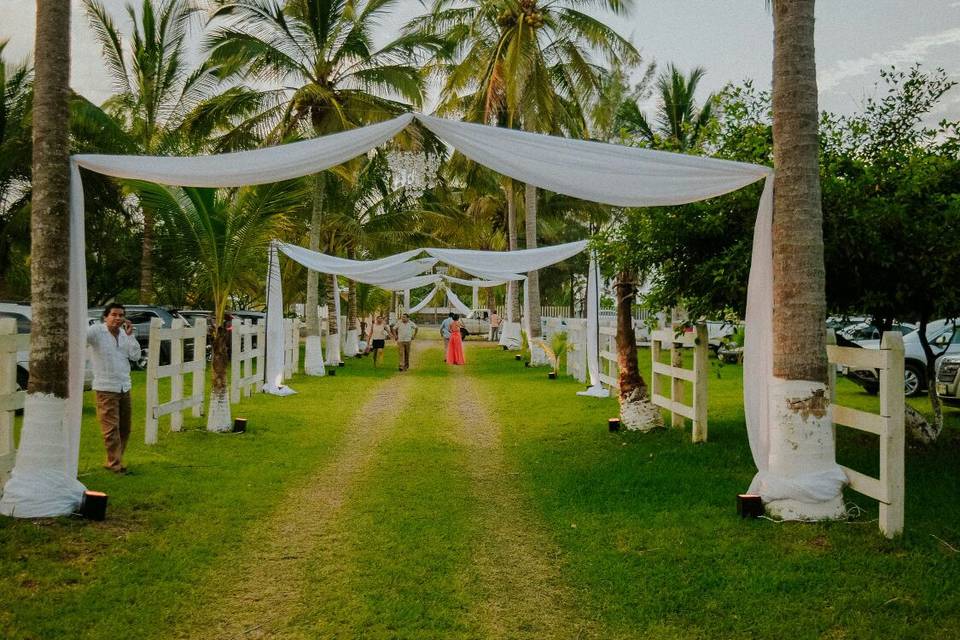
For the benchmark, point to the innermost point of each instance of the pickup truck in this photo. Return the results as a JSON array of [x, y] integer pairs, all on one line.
[[477, 323]]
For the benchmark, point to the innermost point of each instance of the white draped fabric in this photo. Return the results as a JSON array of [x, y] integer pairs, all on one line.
[[600, 172], [273, 379], [457, 304], [426, 300], [595, 389], [481, 283], [505, 265], [412, 283]]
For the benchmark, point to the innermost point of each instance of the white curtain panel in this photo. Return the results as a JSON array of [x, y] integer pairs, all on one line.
[[596, 388], [457, 304], [273, 382], [605, 173], [426, 300]]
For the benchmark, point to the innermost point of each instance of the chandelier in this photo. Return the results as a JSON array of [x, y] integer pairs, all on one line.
[[413, 171]]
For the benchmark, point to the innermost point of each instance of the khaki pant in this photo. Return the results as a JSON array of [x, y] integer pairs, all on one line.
[[113, 412], [494, 333], [404, 354]]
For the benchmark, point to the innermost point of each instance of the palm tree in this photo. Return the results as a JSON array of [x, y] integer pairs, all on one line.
[[322, 75], [156, 91], [37, 484], [680, 121], [524, 63], [224, 235], [801, 439], [16, 95]]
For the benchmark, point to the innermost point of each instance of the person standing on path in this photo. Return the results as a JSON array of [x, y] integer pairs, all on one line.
[[445, 330], [494, 325], [455, 348], [404, 332], [113, 346], [378, 338]]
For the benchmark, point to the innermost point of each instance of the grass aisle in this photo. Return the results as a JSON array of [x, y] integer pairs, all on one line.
[[651, 543], [257, 597]]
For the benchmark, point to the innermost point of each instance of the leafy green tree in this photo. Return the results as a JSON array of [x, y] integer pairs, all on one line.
[[224, 234]]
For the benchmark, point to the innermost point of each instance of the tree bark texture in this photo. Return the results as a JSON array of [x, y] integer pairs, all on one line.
[[629, 377], [533, 277], [50, 218], [799, 299], [513, 290], [146, 295], [311, 316], [353, 322], [332, 319]]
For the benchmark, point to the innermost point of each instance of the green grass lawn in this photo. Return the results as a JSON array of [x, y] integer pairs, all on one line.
[[649, 540]]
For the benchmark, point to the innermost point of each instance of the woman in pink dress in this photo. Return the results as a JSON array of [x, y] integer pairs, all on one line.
[[455, 348]]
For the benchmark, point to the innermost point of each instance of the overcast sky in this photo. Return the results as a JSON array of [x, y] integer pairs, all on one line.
[[732, 39]]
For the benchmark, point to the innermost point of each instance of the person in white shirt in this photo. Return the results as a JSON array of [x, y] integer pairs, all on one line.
[[404, 332], [113, 346]]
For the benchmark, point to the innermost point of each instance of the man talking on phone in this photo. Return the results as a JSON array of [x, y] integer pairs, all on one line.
[[113, 346]]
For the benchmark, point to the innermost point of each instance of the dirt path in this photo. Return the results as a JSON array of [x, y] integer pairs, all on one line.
[[261, 595], [515, 564]]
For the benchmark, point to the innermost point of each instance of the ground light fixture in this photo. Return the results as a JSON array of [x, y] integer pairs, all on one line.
[[749, 505], [552, 375], [613, 424], [517, 356], [94, 505], [239, 425], [331, 371], [342, 364]]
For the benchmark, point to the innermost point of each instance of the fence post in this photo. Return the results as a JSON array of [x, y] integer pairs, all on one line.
[[676, 384], [701, 369], [153, 391], [892, 439], [236, 345], [655, 350], [176, 380], [8, 387], [261, 337], [199, 355]]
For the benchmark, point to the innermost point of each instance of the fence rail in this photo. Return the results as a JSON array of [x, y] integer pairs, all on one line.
[[176, 370], [888, 425], [246, 360], [677, 375], [10, 398]]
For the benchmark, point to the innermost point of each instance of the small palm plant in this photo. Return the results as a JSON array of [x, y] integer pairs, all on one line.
[[559, 345], [223, 234]]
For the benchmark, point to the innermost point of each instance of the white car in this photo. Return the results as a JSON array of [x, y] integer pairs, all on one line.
[[944, 339], [477, 323], [23, 315]]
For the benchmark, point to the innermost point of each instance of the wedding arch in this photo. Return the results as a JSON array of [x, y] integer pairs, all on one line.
[[44, 481]]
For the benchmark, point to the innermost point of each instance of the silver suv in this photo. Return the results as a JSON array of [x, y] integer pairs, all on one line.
[[948, 380]]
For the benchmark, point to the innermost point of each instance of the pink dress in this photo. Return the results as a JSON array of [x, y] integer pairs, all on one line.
[[455, 348]]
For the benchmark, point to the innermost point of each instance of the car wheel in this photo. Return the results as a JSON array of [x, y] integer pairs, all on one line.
[[913, 380], [141, 363]]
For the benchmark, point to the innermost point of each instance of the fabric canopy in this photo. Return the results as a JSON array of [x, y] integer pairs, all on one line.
[[483, 284], [412, 283], [595, 171], [507, 263], [457, 304]]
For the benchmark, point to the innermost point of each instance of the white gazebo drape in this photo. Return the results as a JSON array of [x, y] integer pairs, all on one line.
[[600, 172]]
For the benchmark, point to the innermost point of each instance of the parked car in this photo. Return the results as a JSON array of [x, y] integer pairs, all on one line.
[[948, 380], [870, 331], [477, 322], [944, 339], [718, 332], [23, 314]]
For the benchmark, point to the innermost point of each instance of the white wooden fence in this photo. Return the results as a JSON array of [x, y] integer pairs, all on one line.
[[676, 374], [576, 329], [291, 347], [175, 335], [888, 489], [10, 399], [246, 360]]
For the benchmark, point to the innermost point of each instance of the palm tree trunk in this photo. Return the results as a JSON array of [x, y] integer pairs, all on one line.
[[146, 257], [333, 331], [513, 292], [352, 347], [218, 412], [636, 410], [538, 356], [311, 316], [801, 432], [38, 486]]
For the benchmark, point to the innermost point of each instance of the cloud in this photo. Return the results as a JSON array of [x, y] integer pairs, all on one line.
[[913, 51]]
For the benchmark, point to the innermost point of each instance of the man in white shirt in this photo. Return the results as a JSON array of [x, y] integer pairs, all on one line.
[[113, 346], [404, 332]]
